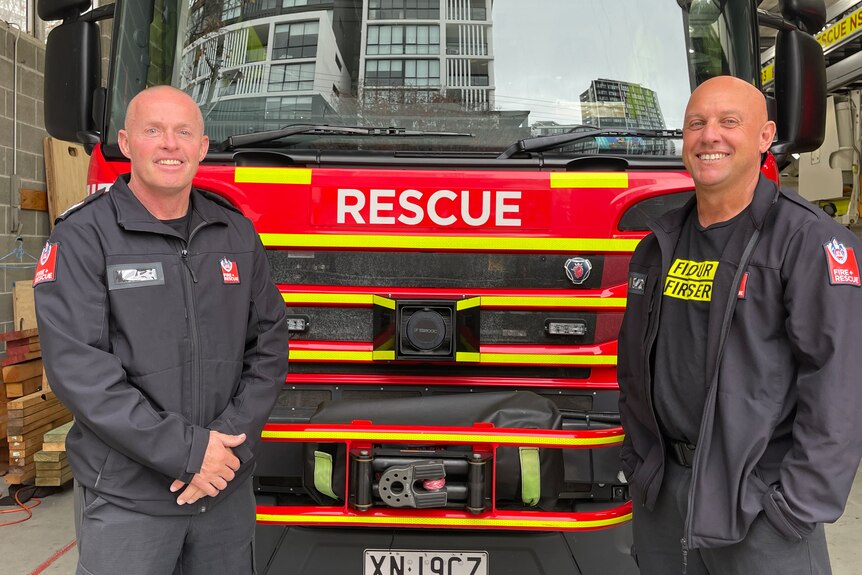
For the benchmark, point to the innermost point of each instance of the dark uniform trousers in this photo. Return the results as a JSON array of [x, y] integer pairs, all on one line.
[[658, 547], [113, 540]]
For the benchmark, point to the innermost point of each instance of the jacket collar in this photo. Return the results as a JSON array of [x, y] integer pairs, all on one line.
[[133, 216], [765, 194]]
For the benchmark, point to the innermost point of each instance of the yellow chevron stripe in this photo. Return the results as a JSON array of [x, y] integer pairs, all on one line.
[[328, 298], [247, 175], [442, 437], [445, 521], [547, 359], [559, 302], [487, 358], [616, 180], [468, 303], [383, 301], [499, 301], [477, 242], [327, 355]]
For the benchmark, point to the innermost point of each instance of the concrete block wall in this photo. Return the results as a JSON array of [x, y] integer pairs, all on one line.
[[31, 226]]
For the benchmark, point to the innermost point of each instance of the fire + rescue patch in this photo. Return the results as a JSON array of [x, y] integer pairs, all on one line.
[[125, 276], [46, 271], [578, 270], [637, 283], [690, 280], [843, 267], [230, 271]]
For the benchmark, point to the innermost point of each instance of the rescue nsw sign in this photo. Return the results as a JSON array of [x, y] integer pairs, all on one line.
[[424, 207]]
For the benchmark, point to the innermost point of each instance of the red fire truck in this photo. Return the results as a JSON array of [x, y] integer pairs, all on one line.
[[449, 192]]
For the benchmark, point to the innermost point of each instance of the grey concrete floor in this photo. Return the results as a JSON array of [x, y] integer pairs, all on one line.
[[29, 548]]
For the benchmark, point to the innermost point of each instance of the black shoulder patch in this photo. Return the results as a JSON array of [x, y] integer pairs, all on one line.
[[75, 207], [219, 200]]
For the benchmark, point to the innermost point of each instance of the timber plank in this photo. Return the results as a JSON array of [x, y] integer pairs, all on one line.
[[35, 408], [50, 457], [20, 334], [24, 305], [30, 399], [34, 427], [44, 415], [22, 371], [33, 200], [22, 461], [58, 434], [66, 166], [13, 358], [54, 481], [18, 475], [50, 466], [22, 388], [23, 345], [59, 472], [29, 445]]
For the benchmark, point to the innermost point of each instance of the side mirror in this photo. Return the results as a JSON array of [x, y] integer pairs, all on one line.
[[800, 92], [72, 73], [61, 9]]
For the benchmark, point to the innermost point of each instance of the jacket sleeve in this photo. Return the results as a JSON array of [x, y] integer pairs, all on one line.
[[264, 363], [824, 331], [72, 314]]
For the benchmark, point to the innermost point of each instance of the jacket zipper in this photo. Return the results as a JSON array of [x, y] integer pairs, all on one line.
[[197, 393], [709, 408]]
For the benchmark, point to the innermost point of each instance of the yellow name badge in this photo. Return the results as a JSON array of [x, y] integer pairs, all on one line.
[[690, 280]]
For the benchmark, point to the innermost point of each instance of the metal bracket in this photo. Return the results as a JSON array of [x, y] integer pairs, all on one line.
[[398, 485]]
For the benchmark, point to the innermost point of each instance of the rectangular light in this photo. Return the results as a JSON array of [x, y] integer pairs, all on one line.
[[297, 323], [566, 327]]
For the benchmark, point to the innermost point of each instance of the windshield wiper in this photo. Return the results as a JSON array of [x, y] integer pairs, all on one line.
[[239, 140], [542, 143]]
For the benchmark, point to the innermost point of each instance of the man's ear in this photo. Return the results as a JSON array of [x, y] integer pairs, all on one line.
[[767, 134], [123, 141], [205, 146]]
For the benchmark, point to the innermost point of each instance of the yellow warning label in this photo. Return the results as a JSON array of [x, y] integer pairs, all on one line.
[[690, 280], [847, 26]]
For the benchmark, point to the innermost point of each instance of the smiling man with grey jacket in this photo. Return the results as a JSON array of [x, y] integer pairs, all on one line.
[[739, 366], [165, 336]]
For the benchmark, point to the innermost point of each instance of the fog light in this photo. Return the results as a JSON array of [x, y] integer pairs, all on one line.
[[563, 327]]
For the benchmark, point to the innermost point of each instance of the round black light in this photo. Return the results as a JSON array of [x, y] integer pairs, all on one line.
[[425, 330]]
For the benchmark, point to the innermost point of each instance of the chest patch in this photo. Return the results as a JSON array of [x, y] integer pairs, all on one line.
[[690, 280], [843, 267], [125, 276], [230, 271]]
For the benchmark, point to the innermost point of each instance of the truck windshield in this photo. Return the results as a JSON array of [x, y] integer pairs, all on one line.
[[497, 70]]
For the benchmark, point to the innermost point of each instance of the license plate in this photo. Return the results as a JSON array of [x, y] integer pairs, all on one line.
[[410, 562]]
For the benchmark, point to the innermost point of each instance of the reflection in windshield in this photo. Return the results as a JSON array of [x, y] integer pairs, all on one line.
[[502, 70]]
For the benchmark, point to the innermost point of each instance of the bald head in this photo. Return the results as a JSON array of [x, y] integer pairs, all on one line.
[[725, 131], [735, 93], [158, 94]]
